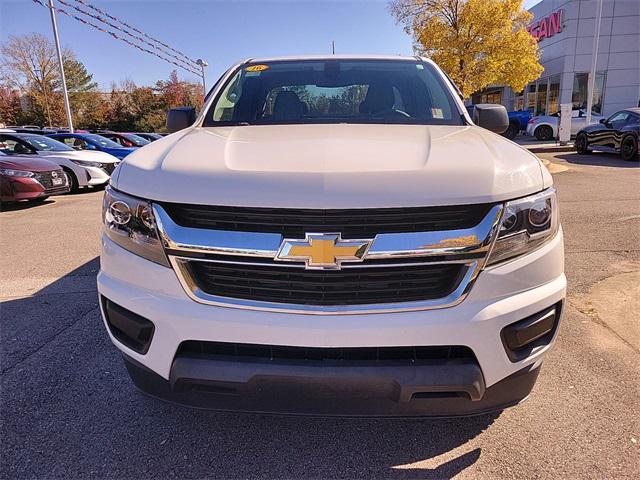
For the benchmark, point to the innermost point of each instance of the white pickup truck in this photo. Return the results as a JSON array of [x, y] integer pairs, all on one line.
[[333, 236]]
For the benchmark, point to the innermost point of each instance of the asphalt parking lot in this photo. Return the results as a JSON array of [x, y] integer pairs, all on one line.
[[69, 409]]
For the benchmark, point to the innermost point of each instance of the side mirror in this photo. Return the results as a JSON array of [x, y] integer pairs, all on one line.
[[180, 118], [491, 116], [603, 121]]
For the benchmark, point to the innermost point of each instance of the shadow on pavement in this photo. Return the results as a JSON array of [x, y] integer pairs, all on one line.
[[23, 205], [600, 159], [70, 410]]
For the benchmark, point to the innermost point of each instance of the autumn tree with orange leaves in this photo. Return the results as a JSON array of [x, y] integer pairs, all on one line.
[[476, 42]]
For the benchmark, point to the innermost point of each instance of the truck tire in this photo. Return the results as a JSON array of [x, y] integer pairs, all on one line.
[[543, 133], [629, 149], [512, 131]]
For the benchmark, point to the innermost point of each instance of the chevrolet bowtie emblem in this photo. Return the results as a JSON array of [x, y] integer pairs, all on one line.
[[323, 250]]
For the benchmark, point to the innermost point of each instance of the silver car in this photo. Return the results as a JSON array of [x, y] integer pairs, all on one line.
[[545, 127]]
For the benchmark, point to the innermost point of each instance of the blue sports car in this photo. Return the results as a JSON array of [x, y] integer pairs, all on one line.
[[92, 141]]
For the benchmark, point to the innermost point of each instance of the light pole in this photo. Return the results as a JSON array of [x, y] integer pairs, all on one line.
[[594, 63], [203, 63], [61, 66]]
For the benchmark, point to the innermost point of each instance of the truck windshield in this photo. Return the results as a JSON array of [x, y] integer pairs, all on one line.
[[334, 91]]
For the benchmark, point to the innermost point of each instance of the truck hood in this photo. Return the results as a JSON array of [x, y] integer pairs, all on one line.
[[331, 166]]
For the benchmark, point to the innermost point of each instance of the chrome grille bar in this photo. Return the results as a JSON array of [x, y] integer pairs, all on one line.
[[385, 245]]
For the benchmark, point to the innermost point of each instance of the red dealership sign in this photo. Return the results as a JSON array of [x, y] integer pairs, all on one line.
[[547, 26]]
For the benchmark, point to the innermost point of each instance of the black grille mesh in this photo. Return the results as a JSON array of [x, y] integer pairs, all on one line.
[[109, 167], [336, 356], [46, 179], [349, 286]]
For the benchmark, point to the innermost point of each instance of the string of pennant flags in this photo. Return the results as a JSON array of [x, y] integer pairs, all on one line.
[[117, 28], [183, 65], [83, 2]]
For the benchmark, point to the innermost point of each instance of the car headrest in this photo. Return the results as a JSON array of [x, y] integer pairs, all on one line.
[[379, 98], [287, 106]]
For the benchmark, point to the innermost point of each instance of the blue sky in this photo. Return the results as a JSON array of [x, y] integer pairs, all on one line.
[[221, 32]]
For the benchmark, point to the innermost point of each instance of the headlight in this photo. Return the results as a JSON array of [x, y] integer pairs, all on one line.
[[526, 224], [130, 222], [9, 172], [87, 163]]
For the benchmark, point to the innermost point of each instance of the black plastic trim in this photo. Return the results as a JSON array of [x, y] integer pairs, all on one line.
[[522, 337], [402, 391], [129, 328]]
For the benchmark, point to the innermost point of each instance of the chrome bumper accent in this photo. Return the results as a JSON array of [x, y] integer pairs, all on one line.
[[468, 246]]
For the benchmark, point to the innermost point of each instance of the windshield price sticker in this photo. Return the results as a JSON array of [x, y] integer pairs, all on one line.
[[256, 68]]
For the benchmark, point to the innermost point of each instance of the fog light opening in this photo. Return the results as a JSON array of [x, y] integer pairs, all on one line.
[[522, 337], [127, 327]]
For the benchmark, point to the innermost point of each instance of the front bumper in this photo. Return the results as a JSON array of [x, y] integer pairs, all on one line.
[[502, 295], [530, 128], [338, 391], [26, 188], [94, 176]]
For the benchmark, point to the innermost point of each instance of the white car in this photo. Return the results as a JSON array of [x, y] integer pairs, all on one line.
[[335, 236], [83, 168], [545, 127]]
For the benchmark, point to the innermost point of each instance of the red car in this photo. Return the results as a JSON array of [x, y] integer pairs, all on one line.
[[28, 178]]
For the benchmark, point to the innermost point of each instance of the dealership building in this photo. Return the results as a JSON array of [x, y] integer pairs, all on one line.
[[565, 32]]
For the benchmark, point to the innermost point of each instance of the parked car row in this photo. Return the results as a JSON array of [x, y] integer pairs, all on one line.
[[92, 141], [618, 133], [150, 136], [38, 163]]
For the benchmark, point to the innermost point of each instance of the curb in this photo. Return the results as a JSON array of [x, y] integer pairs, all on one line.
[[551, 149], [554, 167]]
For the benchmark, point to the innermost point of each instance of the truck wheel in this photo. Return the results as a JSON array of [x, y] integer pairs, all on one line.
[[72, 181], [582, 144], [543, 133], [629, 149], [512, 131]]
